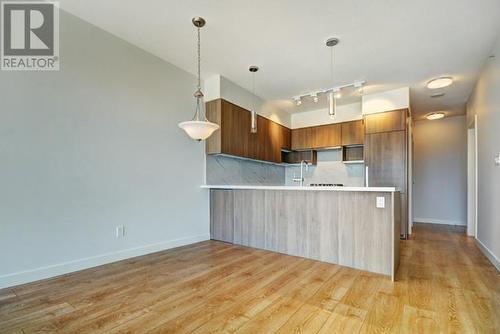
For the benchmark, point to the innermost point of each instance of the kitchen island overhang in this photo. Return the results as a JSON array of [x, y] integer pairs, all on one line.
[[349, 226]]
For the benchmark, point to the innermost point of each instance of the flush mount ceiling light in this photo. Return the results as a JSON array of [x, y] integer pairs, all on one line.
[[439, 82], [253, 114], [435, 115], [199, 128]]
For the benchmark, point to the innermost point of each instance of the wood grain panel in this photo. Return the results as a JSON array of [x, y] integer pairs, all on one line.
[[386, 121], [325, 136], [234, 136], [385, 156], [221, 215], [337, 227], [316, 137], [213, 112], [353, 133], [249, 218]]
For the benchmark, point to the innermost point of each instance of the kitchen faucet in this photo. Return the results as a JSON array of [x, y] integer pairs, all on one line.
[[301, 179]]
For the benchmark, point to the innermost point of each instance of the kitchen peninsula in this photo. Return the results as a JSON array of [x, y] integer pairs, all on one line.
[[356, 227]]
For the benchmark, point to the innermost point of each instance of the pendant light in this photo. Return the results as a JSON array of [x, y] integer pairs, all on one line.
[[253, 114], [199, 128], [332, 100]]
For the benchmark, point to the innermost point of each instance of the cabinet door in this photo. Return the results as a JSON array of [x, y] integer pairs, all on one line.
[[327, 136], [301, 138], [235, 131], [275, 141], [249, 219], [221, 215], [286, 138], [353, 133], [386, 121], [385, 156]]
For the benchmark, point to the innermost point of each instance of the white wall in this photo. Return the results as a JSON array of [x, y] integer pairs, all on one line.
[[344, 113], [485, 102], [220, 87], [440, 171], [94, 146], [386, 101]]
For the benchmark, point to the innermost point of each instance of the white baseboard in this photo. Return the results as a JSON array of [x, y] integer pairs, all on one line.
[[438, 221], [493, 259], [57, 269]]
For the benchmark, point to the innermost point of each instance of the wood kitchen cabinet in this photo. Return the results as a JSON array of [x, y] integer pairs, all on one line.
[[222, 215], [234, 136], [317, 137], [353, 133], [385, 150], [385, 156], [386, 121]]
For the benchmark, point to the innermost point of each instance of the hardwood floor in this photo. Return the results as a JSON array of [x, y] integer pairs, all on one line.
[[444, 284]]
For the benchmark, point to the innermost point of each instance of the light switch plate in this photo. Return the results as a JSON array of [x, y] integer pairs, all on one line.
[[380, 202], [497, 160]]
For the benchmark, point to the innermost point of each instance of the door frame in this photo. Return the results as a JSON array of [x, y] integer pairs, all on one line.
[[472, 135]]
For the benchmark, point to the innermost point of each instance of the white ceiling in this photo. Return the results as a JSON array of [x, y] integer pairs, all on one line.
[[388, 43]]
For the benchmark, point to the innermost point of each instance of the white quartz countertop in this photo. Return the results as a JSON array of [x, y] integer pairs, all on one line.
[[304, 188]]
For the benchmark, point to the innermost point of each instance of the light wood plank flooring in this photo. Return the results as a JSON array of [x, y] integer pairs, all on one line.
[[444, 284]]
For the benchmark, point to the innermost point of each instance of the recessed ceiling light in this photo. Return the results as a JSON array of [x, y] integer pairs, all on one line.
[[437, 94], [435, 115], [439, 82]]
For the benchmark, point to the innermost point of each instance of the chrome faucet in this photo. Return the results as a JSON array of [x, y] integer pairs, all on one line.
[[301, 179]]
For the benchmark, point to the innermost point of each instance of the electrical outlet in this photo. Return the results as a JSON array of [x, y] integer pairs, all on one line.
[[497, 160], [119, 231], [380, 202]]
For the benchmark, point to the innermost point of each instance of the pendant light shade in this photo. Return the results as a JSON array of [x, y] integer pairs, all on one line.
[[199, 128], [332, 104], [332, 96], [253, 114]]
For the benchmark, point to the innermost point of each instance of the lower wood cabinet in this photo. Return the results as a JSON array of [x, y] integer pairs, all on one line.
[[222, 215], [341, 227]]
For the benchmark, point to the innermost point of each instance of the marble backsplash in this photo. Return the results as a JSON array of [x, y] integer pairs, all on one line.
[[236, 171], [227, 170], [329, 169]]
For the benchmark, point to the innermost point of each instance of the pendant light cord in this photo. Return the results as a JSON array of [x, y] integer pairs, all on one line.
[[198, 94], [253, 90], [331, 65], [199, 60]]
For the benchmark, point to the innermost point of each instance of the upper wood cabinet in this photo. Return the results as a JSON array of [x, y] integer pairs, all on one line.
[[302, 138], [353, 133], [386, 121], [316, 137], [234, 136]]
